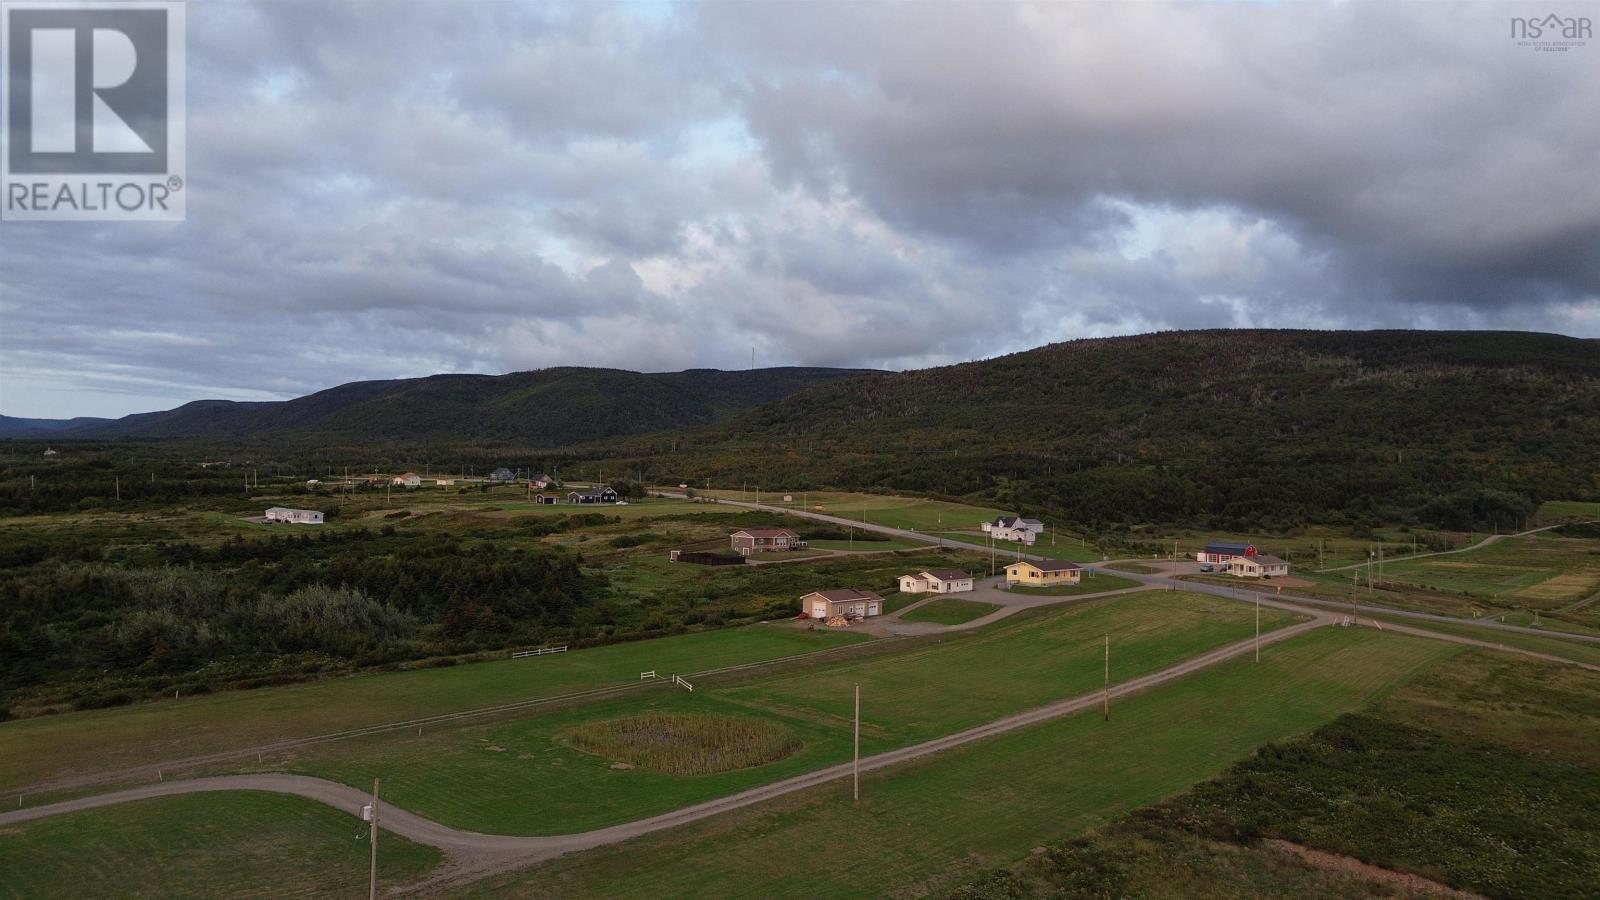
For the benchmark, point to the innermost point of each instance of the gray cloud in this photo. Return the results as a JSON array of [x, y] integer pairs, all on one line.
[[484, 187]]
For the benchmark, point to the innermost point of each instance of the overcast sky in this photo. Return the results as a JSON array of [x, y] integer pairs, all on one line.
[[390, 190]]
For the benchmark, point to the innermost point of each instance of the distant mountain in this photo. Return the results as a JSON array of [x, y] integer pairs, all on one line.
[[1239, 428], [549, 407], [10, 426]]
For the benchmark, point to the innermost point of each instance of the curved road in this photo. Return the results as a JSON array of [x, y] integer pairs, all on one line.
[[473, 855]]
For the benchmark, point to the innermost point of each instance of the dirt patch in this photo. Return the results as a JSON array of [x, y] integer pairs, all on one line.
[[1335, 862]]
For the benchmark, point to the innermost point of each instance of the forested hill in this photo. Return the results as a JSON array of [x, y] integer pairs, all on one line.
[[549, 408], [1235, 428]]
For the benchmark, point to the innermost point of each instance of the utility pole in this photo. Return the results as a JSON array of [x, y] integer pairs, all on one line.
[[372, 881], [856, 767], [1105, 709], [119, 487], [1258, 628]]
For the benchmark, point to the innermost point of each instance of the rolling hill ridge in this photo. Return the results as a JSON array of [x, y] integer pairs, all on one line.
[[549, 407]]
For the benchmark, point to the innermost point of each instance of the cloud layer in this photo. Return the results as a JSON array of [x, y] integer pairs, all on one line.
[[489, 187]]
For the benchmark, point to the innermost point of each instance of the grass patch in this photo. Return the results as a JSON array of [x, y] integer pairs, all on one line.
[[1542, 571], [1479, 773], [865, 546], [936, 820], [950, 611], [517, 777], [681, 744], [33, 750], [1092, 584], [228, 844], [1557, 510]]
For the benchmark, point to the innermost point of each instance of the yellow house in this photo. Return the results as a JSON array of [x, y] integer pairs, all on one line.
[[1043, 574]]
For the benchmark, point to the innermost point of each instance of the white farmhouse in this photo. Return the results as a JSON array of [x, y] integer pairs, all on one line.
[[1259, 566], [295, 516], [936, 581], [1014, 528]]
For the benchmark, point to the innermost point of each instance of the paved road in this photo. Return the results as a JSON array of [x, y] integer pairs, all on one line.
[[473, 855], [1240, 593]]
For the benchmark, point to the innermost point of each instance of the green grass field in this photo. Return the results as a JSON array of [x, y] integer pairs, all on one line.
[[934, 823], [865, 546], [911, 513], [1578, 651], [1088, 584], [950, 611], [36, 750], [1576, 510], [516, 777], [1541, 571], [201, 846], [1479, 773]]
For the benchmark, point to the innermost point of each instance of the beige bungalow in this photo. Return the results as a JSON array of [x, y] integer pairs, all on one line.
[[763, 540], [1047, 573], [1258, 566], [847, 602], [409, 479], [936, 581]]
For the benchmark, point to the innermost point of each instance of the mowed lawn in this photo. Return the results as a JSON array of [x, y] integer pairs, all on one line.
[[928, 826], [38, 750], [950, 611], [201, 846], [1539, 571], [520, 777]]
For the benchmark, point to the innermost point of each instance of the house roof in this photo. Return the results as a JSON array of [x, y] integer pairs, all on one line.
[[1048, 565], [946, 574], [1233, 547], [1014, 521], [1029, 522], [764, 532], [593, 492], [844, 595], [1266, 560], [287, 509], [539, 477]]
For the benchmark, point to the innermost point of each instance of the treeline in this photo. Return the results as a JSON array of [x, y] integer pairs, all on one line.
[[104, 624]]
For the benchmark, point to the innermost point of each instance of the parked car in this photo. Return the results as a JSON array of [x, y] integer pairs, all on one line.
[[1208, 568]]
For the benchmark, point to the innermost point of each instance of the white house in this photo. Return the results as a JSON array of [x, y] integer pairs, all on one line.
[[936, 581], [1014, 528], [409, 479], [540, 481], [1258, 566], [294, 516], [847, 602]]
